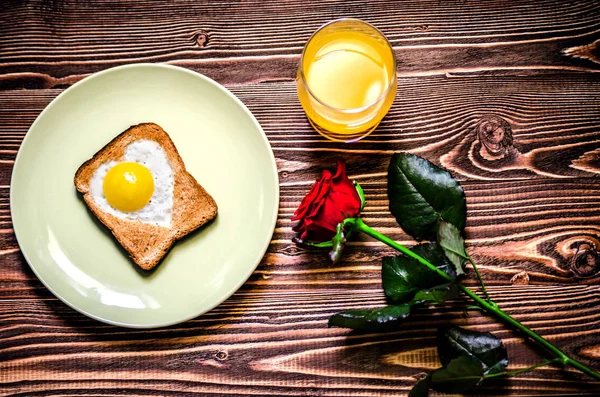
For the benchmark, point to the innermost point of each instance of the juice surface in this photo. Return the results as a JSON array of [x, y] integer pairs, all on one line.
[[347, 71]]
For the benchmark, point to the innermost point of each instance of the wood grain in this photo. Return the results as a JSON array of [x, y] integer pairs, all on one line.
[[61, 42], [277, 343], [544, 228], [530, 69], [555, 127]]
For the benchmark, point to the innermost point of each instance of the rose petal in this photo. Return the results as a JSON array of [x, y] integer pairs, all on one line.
[[316, 193], [314, 207], [330, 200], [315, 231]]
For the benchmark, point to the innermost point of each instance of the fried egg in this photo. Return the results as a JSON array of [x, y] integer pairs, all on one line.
[[138, 187]]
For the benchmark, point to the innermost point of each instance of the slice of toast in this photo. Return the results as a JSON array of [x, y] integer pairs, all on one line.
[[193, 207]]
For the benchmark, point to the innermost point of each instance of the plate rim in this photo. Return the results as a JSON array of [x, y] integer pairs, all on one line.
[[223, 297]]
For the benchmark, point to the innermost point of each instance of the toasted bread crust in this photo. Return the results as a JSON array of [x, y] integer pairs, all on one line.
[[192, 205]]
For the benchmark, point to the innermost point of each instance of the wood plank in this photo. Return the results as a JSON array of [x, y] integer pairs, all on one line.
[[275, 343], [541, 232], [533, 202], [48, 44], [554, 122]]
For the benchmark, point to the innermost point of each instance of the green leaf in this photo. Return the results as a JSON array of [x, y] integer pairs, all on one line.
[[421, 388], [461, 374], [484, 347], [437, 294], [421, 194], [379, 319], [449, 238], [403, 277], [468, 357]]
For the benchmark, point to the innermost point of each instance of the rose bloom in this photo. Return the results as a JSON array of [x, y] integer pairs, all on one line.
[[330, 200]]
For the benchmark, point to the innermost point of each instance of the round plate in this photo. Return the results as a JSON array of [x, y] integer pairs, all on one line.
[[223, 147]]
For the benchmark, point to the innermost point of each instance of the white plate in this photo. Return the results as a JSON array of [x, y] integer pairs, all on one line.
[[223, 147]]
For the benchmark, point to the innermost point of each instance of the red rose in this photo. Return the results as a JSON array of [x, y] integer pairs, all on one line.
[[330, 200]]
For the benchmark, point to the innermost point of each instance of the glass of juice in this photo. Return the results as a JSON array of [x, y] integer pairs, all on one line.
[[346, 79]]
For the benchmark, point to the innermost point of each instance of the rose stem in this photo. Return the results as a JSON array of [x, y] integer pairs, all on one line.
[[483, 289], [490, 308]]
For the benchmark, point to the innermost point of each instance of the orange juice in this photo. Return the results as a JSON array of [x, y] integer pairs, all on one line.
[[346, 79]]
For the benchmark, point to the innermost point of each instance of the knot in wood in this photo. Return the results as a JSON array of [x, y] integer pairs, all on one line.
[[291, 250], [200, 38], [591, 51], [521, 278], [586, 261], [495, 134], [221, 356]]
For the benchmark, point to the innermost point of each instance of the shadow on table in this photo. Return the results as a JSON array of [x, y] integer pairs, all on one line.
[[144, 273], [411, 351]]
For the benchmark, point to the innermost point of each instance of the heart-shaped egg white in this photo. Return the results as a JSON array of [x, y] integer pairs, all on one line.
[[159, 210]]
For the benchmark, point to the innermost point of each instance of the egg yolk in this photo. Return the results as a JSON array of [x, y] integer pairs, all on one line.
[[128, 186]]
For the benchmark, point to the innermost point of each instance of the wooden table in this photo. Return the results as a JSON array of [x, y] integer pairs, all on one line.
[[533, 222]]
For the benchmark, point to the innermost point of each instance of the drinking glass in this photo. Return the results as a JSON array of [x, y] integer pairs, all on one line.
[[346, 79]]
